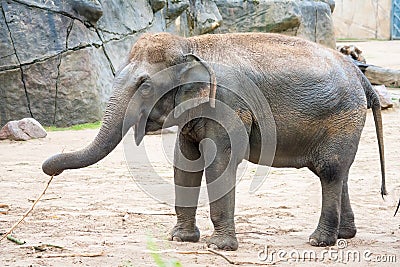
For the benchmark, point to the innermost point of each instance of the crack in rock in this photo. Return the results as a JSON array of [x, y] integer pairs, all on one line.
[[69, 29], [19, 62], [56, 94], [38, 60], [316, 24], [111, 32], [105, 53], [7, 55]]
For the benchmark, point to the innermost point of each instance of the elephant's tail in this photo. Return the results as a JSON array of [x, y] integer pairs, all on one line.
[[374, 104]]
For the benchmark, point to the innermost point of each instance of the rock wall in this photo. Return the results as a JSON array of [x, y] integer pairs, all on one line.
[[58, 58]]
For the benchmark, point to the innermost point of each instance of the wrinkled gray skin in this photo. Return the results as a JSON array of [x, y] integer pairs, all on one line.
[[318, 99]]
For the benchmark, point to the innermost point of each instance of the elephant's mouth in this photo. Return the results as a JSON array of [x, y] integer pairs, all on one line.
[[143, 127], [152, 126]]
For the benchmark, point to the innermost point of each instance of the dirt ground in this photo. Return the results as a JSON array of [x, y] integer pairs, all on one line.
[[100, 209]]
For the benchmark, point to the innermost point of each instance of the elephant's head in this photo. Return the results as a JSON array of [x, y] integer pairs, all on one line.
[[154, 80]]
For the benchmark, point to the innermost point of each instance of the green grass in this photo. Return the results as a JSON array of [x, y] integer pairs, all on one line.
[[84, 126], [158, 260], [157, 257]]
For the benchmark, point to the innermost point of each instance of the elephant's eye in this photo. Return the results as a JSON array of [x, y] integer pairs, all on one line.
[[146, 89]]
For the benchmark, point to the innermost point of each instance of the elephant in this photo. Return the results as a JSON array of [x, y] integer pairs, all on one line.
[[312, 106]]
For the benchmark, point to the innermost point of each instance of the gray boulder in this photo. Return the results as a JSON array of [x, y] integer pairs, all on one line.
[[307, 19], [175, 8], [206, 16], [22, 130], [91, 9], [379, 75]]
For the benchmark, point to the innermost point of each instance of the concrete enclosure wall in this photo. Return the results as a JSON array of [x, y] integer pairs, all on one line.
[[362, 19]]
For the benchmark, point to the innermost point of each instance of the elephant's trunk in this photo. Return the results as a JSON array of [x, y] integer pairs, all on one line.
[[110, 134]]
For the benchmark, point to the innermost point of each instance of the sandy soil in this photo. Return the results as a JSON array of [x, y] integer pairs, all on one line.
[[100, 208]]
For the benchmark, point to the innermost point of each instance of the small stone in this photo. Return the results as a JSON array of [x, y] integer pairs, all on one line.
[[4, 208], [213, 246], [126, 217], [22, 130]]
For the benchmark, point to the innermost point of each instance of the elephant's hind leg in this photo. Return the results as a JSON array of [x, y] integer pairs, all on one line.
[[327, 230], [333, 175], [187, 188], [332, 160], [347, 228]]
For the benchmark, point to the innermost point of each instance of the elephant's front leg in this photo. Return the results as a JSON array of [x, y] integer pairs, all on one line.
[[188, 171], [221, 179]]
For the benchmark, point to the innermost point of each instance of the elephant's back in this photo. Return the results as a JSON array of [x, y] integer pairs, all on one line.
[[263, 49], [297, 72]]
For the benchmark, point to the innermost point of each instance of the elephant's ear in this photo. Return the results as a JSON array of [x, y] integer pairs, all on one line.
[[197, 85]]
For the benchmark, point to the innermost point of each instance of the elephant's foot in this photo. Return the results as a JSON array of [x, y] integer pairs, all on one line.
[[323, 238], [182, 234], [222, 241], [347, 233], [347, 228]]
